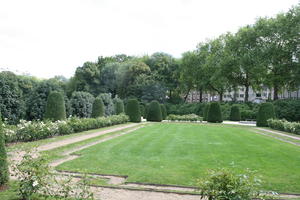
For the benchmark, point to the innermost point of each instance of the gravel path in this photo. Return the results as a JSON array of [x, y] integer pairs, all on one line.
[[278, 133]]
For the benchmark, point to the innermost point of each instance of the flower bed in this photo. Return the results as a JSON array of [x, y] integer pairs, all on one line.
[[190, 118], [36, 130], [284, 125]]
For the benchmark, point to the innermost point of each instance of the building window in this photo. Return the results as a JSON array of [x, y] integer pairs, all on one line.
[[258, 95], [241, 95], [242, 89], [265, 94]]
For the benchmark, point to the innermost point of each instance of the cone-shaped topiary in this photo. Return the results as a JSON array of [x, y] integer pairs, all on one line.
[[205, 112], [133, 110], [119, 107], [3, 158], [235, 114], [265, 112], [163, 111], [214, 113], [142, 109], [98, 108], [55, 107], [154, 112], [146, 110]]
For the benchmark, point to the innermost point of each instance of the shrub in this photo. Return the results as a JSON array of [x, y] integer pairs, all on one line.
[[98, 108], [288, 109], [265, 112], [35, 130], [119, 106], [227, 185], [284, 125], [235, 114], [108, 103], [154, 112], [82, 104], [55, 107], [3, 158], [214, 113], [163, 111], [133, 110], [190, 117], [205, 112], [146, 110]]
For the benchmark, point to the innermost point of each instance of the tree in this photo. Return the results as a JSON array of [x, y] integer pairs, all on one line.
[[98, 108], [12, 104], [82, 104], [108, 103], [154, 112], [265, 112], [55, 108], [214, 113], [3, 158], [235, 114], [133, 110], [119, 106]]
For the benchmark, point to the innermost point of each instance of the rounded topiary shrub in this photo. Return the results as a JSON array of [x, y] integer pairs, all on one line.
[[163, 111], [235, 114], [205, 112], [265, 112], [119, 107], [154, 112], [214, 114], [3, 158], [55, 107], [133, 110], [98, 108]]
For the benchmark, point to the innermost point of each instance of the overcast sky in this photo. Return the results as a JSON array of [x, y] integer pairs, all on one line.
[[52, 37]]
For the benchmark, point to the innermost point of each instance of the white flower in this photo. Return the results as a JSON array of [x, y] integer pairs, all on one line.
[[35, 183]]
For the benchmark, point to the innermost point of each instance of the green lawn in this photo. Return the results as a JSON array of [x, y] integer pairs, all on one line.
[[169, 153]]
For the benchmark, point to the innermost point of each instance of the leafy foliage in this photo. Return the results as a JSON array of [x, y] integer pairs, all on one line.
[[108, 103], [133, 110], [235, 114], [284, 125], [82, 104], [98, 108], [214, 113], [154, 112], [205, 112], [287, 109], [55, 108], [163, 111], [3, 158], [190, 118], [265, 112], [119, 106]]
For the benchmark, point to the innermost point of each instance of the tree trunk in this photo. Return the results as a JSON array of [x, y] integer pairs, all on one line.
[[247, 93], [200, 96], [220, 96], [275, 92], [187, 94]]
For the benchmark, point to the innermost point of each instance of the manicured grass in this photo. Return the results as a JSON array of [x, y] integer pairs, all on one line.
[[168, 153]]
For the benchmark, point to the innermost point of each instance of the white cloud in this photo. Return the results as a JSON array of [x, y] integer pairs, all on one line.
[[52, 37]]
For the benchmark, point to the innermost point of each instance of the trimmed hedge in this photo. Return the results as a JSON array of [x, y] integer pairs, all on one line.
[[142, 109], [205, 112], [133, 110], [190, 118], [36, 130], [214, 113], [235, 114], [265, 112], [284, 125], [3, 158], [119, 106], [154, 112], [98, 108], [55, 107], [163, 111]]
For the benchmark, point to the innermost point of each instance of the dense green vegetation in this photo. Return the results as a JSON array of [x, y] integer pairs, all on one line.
[[157, 154], [133, 110], [3, 158], [163, 111], [265, 112], [98, 108], [55, 108], [119, 106], [154, 112], [214, 113], [235, 114]]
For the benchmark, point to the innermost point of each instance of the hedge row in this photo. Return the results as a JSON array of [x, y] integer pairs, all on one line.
[[283, 125], [36, 130], [190, 117]]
